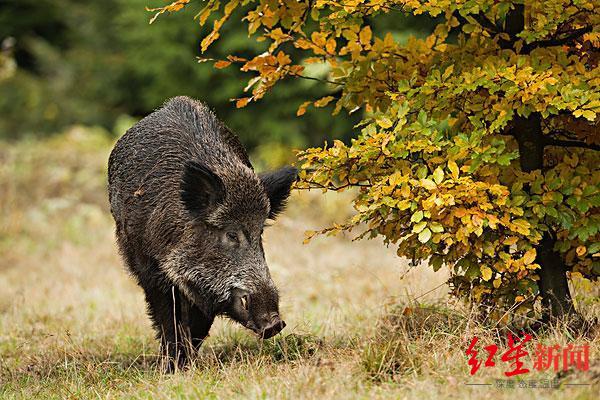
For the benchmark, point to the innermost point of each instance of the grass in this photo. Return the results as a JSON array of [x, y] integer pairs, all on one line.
[[361, 322]]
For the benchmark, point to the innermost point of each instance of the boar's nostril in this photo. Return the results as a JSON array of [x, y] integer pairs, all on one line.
[[273, 329]]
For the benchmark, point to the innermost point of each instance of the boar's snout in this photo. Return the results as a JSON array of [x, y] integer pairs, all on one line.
[[273, 328], [257, 311]]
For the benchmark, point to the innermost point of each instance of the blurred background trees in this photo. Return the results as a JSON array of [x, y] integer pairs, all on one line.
[[97, 63], [67, 62]]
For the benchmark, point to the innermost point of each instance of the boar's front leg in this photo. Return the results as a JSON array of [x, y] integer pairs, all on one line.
[[165, 312], [197, 324], [180, 325]]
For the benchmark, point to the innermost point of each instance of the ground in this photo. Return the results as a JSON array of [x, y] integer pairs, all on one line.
[[362, 323]]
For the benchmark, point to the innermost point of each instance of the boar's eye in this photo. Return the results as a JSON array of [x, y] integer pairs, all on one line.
[[232, 238]]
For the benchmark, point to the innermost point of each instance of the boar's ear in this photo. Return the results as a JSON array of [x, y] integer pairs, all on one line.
[[277, 185], [201, 189]]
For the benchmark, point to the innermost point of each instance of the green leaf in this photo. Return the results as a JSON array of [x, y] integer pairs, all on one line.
[[417, 217], [436, 227], [436, 262], [422, 117], [425, 235], [594, 248], [419, 227], [468, 28], [504, 159], [422, 172], [583, 205], [403, 86]]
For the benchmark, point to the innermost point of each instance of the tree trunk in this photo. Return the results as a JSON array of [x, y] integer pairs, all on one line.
[[556, 297], [554, 288]]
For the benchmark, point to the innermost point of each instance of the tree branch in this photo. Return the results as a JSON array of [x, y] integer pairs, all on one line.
[[562, 132], [312, 78], [315, 185], [572, 143], [557, 41]]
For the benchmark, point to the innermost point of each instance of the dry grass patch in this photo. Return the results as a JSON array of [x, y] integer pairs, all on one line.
[[73, 323], [409, 339]]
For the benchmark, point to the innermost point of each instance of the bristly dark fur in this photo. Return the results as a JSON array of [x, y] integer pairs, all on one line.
[[277, 185], [201, 189], [189, 212]]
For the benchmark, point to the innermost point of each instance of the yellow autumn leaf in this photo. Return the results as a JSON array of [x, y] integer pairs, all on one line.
[[428, 184], [243, 102], [322, 102], [405, 191], [454, 171], [448, 72], [208, 40], [365, 35], [319, 39], [438, 175], [521, 226], [575, 275], [589, 115], [330, 46], [486, 273], [384, 122], [302, 109], [460, 212], [222, 64], [529, 256]]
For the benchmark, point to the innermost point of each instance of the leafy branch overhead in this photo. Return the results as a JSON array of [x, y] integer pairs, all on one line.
[[441, 157]]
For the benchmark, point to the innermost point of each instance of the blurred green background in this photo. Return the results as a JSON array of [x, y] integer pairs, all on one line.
[[101, 64]]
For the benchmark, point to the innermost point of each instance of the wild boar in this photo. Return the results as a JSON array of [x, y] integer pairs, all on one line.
[[189, 212]]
